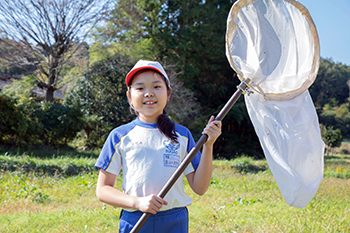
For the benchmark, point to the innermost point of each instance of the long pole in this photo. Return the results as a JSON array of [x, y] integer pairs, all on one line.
[[240, 89]]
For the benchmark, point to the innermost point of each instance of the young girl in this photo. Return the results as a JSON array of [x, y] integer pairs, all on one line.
[[148, 150]]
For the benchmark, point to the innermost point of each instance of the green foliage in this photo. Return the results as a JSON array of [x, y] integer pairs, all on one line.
[[26, 122], [102, 92], [13, 122], [337, 116], [332, 137], [22, 90], [331, 83], [60, 166], [60, 123], [102, 96], [330, 93], [188, 37], [93, 129], [190, 34], [100, 51], [240, 202], [246, 164]]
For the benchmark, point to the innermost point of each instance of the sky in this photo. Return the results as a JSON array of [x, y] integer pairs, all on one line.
[[332, 20]]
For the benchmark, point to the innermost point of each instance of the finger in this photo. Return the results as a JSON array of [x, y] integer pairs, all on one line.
[[161, 201], [212, 131], [211, 119], [152, 211], [214, 127], [157, 205], [217, 123], [209, 132]]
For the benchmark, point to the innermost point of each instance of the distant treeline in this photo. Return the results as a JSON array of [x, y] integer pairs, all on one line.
[[188, 38]]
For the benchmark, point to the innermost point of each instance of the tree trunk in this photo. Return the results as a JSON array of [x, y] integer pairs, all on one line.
[[49, 94], [50, 88]]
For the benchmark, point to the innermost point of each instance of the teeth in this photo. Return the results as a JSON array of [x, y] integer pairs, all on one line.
[[149, 102]]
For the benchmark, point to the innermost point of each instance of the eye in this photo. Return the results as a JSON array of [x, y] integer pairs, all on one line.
[[157, 86], [139, 88]]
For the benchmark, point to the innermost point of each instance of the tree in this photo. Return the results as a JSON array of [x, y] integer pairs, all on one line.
[[330, 83], [102, 94], [45, 33], [191, 34], [331, 137], [330, 93]]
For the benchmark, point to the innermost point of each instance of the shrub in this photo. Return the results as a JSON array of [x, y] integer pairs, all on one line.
[[13, 122], [246, 164], [331, 137], [60, 123], [37, 123]]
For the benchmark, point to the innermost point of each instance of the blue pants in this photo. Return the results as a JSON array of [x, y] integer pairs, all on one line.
[[168, 221]]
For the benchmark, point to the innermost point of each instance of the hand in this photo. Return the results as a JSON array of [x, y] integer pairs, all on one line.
[[213, 130], [151, 204]]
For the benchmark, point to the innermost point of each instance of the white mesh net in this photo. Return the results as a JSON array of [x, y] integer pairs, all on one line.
[[274, 43]]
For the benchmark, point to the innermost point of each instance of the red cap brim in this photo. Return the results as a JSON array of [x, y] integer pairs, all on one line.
[[131, 74]]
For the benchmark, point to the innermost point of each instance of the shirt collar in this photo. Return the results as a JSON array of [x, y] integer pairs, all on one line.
[[138, 122]]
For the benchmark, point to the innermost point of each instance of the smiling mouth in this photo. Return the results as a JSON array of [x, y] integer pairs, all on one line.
[[149, 102]]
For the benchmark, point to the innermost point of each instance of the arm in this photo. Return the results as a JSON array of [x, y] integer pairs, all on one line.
[[106, 193], [199, 180]]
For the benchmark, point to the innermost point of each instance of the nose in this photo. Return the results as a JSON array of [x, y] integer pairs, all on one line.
[[149, 95]]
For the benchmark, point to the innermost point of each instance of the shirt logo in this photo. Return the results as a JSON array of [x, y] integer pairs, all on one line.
[[171, 157], [171, 147]]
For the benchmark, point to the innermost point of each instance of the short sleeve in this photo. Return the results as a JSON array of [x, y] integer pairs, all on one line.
[[110, 158], [185, 133], [197, 158]]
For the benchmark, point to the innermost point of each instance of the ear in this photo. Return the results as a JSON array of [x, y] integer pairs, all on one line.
[[169, 93]]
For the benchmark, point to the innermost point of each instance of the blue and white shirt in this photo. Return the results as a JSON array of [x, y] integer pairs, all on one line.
[[148, 159]]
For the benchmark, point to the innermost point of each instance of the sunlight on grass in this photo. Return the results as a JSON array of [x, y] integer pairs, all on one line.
[[243, 197]]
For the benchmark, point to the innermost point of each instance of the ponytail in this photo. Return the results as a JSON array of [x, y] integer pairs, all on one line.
[[167, 127]]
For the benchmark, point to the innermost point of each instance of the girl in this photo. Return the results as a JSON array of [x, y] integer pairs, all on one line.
[[148, 150]]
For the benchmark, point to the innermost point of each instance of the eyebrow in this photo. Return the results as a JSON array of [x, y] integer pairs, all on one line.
[[141, 83]]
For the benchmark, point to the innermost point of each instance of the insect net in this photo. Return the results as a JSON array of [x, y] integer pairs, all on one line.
[[275, 44]]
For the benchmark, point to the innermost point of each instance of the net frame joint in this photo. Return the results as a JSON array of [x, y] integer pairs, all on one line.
[[245, 88]]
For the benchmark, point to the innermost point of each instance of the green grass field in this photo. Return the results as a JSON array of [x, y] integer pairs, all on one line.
[[243, 197]]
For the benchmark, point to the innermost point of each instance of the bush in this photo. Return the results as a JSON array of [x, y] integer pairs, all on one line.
[[331, 137], [37, 123], [60, 123], [101, 93], [13, 122], [344, 151], [246, 164]]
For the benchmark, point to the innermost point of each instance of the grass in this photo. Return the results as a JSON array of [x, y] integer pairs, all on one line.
[[243, 197], [55, 166]]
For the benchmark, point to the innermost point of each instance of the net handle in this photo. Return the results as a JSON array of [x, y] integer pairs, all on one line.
[[241, 89]]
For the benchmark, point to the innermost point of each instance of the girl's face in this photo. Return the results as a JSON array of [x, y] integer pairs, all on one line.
[[148, 95]]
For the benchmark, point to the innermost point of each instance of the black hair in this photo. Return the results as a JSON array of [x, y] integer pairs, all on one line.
[[164, 124], [167, 127]]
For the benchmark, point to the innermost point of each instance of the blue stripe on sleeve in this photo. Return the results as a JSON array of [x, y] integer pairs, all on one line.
[[109, 148], [183, 131]]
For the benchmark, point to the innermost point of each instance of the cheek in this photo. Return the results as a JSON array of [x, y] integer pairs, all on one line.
[[135, 98]]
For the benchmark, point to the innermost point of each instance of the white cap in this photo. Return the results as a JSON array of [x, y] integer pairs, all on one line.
[[143, 65]]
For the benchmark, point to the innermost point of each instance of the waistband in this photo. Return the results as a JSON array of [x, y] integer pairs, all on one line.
[[159, 214]]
